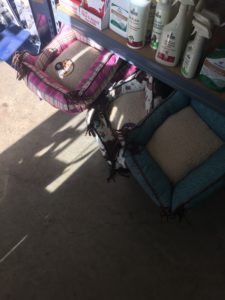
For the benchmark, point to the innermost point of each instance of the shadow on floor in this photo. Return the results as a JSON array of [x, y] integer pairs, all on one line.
[[68, 234]]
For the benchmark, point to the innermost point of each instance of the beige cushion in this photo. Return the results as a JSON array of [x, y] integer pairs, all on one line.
[[128, 108], [82, 55], [182, 143]]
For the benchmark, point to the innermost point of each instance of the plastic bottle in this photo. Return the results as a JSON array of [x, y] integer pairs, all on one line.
[[162, 17], [210, 19], [119, 11], [173, 36], [194, 49], [174, 9], [200, 5], [202, 19], [151, 16], [188, 26], [137, 24]]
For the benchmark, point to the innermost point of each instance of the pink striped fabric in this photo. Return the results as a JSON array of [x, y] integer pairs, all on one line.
[[95, 80]]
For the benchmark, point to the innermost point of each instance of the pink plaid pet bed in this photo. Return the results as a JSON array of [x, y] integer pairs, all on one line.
[[93, 69]]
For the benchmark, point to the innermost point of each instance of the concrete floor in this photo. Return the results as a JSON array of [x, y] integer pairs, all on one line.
[[65, 233]]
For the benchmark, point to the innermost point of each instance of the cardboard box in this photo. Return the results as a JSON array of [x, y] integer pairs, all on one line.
[[119, 15], [96, 7], [92, 19], [71, 5]]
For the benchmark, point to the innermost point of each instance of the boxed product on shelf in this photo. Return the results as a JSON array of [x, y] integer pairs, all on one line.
[[99, 20], [213, 70], [72, 5], [119, 13], [97, 7]]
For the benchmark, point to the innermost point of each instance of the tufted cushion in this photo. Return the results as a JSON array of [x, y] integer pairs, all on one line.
[[82, 55], [182, 143], [127, 109]]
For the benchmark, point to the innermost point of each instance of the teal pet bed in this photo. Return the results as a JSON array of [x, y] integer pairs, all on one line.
[[178, 154]]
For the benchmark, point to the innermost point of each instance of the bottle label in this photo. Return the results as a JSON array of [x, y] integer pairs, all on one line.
[[184, 71], [167, 48], [161, 19], [155, 40], [186, 61], [138, 18], [135, 44], [166, 57]]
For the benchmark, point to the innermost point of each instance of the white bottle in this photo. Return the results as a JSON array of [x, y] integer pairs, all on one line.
[[150, 20], [173, 36], [119, 12], [188, 26], [162, 17], [137, 23], [199, 17], [210, 19], [194, 49], [200, 5]]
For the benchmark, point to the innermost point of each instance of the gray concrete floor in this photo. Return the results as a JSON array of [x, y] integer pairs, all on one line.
[[65, 233]]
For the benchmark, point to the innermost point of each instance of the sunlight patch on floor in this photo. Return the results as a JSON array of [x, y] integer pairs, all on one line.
[[77, 123], [43, 151], [62, 145], [79, 146], [13, 249], [73, 163]]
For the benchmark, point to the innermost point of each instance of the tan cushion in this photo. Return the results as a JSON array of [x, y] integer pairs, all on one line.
[[82, 55], [128, 108], [182, 143]]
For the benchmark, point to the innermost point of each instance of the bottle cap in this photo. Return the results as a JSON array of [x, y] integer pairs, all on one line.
[[201, 29], [202, 19]]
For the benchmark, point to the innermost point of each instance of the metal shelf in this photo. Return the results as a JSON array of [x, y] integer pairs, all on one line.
[[144, 59]]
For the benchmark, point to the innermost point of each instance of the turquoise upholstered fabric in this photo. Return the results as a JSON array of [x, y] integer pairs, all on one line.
[[214, 120], [143, 166], [199, 183], [200, 180]]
